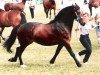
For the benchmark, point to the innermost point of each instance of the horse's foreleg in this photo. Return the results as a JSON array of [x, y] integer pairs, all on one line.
[[56, 53], [69, 49]]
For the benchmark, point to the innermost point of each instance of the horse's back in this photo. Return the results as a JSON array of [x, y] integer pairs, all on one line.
[[14, 6], [10, 18], [18, 6], [29, 26]]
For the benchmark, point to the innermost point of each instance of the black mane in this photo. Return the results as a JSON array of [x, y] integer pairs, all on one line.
[[65, 18], [65, 14]]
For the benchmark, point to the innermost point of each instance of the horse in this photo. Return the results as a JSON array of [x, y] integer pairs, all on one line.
[[48, 6], [56, 32], [93, 3], [15, 6], [10, 18]]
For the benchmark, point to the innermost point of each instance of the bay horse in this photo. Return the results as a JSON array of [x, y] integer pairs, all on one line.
[[56, 32], [48, 6], [93, 3], [15, 6], [10, 18]]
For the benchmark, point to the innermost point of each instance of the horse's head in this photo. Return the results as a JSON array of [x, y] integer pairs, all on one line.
[[79, 12], [76, 9]]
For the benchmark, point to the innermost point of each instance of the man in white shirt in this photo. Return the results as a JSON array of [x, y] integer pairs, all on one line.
[[32, 7], [84, 28]]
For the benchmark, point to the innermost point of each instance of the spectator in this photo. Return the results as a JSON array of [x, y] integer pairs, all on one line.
[[32, 7], [97, 28]]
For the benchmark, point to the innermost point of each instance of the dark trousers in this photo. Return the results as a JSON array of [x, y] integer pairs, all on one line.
[[32, 11], [85, 41]]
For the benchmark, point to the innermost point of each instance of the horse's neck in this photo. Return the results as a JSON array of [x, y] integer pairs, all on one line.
[[67, 25]]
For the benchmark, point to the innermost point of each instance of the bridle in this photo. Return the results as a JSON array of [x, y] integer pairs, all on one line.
[[77, 12]]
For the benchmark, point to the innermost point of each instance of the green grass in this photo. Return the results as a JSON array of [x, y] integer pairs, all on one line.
[[37, 57]]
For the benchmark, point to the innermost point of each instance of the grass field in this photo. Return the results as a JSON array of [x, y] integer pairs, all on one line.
[[37, 57]]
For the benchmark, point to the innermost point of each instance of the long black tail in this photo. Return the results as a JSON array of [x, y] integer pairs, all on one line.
[[10, 41]]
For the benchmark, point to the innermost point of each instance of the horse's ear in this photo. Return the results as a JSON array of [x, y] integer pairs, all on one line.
[[74, 4]]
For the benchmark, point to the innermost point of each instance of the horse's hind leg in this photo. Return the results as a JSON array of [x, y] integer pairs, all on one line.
[[14, 59], [22, 48], [68, 47], [19, 52], [56, 53]]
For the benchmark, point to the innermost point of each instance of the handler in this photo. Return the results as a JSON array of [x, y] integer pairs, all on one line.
[[84, 27]]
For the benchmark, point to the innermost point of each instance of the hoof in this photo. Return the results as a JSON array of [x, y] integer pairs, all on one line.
[[79, 65], [12, 60], [51, 62], [23, 66]]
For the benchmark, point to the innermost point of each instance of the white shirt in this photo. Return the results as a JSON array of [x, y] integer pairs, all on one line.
[[85, 29], [32, 2]]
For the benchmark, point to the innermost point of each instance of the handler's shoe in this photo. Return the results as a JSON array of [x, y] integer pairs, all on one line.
[[77, 56]]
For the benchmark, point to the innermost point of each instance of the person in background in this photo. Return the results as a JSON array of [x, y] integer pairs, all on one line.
[[32, 7], [97, 28], [84, 28]]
